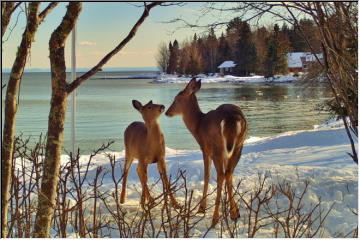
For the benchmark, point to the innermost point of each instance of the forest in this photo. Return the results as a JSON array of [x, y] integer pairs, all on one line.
[[260, 50]]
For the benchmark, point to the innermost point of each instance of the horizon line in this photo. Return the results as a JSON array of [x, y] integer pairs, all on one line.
[[85, 69]]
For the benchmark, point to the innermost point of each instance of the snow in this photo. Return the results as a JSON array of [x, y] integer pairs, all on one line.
[[227, 64], [217, 78], [318, 156]]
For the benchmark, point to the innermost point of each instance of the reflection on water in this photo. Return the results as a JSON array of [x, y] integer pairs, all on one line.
[[104, 108]]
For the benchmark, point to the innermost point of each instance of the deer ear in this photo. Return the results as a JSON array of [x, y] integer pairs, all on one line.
[[150, 102], [193, 86], [137, 105]]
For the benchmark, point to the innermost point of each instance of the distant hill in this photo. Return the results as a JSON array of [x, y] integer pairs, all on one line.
[[119, 69]]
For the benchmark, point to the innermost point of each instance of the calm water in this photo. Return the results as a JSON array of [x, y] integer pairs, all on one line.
[[104, 108]]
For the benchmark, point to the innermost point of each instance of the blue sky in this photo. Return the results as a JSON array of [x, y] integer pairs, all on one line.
[[101, 26]]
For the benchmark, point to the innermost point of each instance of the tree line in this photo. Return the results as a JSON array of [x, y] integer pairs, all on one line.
[[261, 51]]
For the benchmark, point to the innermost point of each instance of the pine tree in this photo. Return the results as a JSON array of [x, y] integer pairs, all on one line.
[[277, 46], [174, 57], [224, 50], [245, 57], [169, 63]]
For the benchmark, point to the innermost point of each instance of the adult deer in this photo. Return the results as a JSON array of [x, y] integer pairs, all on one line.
[[220, 134], [145, 142]]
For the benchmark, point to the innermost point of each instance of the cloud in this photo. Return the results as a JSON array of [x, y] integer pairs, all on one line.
[[87, 43]]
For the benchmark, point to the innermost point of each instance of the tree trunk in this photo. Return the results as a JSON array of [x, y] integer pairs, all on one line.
[[6, 12], [11, 109], [47, 194]]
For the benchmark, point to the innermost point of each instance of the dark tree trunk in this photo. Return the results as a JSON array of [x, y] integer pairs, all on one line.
[[47, 194], [11, 109]]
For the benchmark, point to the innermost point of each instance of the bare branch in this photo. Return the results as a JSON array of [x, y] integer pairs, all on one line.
[[46, 11], [77, 82]]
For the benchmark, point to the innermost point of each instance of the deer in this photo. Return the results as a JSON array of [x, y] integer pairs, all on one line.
[[145, 142], [220, 134]]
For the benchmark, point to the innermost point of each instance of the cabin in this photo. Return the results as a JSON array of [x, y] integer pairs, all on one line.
[[226, 67], [301, 61]]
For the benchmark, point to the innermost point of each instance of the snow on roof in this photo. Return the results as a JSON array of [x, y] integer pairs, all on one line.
[[227, 64], [294, 58]]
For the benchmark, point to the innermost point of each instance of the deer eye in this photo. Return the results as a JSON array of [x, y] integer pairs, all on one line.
[[149, 108]]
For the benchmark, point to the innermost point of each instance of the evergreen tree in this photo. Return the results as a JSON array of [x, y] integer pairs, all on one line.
[[277, 47], [224, 50], [245, 57], [169, 61], [174, 57]]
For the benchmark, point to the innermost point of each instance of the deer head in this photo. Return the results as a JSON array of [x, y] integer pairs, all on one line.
[[184, 99], [150, 112]]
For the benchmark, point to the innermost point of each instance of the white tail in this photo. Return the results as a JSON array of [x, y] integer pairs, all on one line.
[[220, 134]]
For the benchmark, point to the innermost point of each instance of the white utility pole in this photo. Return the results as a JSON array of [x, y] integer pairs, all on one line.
[[73, 98]]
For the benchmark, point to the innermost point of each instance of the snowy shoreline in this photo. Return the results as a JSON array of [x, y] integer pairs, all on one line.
[[217, 78]]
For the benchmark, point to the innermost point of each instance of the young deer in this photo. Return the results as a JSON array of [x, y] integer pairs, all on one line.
[[220, 134], [145, 142]]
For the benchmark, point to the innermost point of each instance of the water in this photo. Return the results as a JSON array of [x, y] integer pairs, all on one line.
[[104, 108]]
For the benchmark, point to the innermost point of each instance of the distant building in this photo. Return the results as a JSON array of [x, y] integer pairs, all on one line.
[[226, 67], [301, 61]]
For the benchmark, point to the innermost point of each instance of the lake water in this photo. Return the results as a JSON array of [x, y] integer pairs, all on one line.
[[104, 108]]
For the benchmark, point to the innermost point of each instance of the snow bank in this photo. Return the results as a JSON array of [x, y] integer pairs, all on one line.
[[318, 156], [216, 78]]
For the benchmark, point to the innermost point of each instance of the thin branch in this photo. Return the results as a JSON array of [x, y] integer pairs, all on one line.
[[77, 82], [46, 11]]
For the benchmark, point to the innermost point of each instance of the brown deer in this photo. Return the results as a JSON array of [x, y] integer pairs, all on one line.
[[145, 142], [220, 134]]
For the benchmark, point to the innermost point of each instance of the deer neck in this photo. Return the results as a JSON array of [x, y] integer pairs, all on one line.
[[192, 116], [153, 130]]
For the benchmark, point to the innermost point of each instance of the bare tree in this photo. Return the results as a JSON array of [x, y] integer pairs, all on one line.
[[162, 57], [33, 21], [60, 91]]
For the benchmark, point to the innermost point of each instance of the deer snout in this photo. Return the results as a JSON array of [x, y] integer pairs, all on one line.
[[168, 114], [162, 108]]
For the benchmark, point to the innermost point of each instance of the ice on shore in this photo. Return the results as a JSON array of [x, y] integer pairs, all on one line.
[[217, 78]]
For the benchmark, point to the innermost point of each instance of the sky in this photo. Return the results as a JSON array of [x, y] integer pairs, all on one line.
[[101, 26]]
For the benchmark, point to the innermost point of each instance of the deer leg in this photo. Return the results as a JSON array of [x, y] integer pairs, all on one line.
[[128, 161], [142, 172], [162, 170], [207, 167], [218, 162], [234, 210], [234, 159]]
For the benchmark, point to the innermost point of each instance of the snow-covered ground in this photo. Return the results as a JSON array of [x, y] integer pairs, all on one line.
[[318, 156], [215, 78]]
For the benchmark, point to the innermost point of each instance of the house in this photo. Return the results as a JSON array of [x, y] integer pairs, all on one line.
[[300, 61], [226, 67]]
